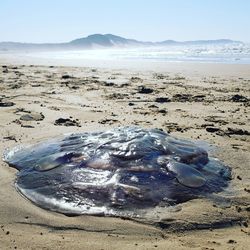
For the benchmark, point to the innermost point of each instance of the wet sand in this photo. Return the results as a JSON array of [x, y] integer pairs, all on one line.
[[204, 102]]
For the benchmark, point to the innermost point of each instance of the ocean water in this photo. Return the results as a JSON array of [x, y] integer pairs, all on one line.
[[231, 53]]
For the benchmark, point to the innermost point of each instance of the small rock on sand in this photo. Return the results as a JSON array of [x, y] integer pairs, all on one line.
[[33, 116]]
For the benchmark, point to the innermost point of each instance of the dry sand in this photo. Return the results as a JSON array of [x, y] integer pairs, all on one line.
[[207, 102]]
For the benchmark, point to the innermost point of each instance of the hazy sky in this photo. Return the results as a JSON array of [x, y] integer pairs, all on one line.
[[155, 20]]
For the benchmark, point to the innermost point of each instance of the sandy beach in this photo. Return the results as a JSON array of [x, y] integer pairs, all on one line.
[[206, 102]]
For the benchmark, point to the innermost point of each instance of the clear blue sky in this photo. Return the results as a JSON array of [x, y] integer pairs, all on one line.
[[155, 20]]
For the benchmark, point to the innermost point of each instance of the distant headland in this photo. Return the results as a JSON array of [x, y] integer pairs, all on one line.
[[106, 41]]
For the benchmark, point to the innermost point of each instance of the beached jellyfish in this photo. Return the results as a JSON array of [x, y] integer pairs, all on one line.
[[119, 171]]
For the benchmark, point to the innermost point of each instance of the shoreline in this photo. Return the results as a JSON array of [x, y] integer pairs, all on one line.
[[206, 102], [190, 68]]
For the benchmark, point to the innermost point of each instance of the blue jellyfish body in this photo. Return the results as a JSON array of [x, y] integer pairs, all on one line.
[[123, 169]]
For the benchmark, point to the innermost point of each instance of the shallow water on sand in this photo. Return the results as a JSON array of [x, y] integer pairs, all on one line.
[[231, 53]]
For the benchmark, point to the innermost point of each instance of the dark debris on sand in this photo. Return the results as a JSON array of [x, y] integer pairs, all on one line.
[[239, 98], [162, 99], [4, 103], [188, 98], [66, 76], [108, 121], [228, 131], [145, 90], [67, 122]]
